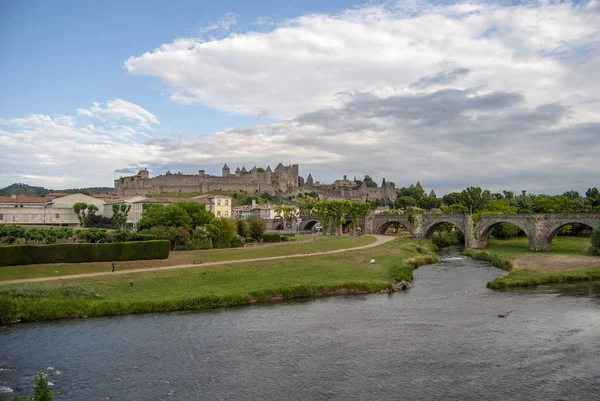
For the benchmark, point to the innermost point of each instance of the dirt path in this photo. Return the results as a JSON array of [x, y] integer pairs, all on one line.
[[381, 239], [554, 263]]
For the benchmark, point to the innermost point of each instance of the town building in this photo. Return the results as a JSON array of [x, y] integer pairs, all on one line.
[[23, 209], [220, 205]]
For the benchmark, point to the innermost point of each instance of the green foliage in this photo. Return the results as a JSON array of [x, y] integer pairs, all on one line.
[[243, 228], [84, 211], [119, 217], [494, 259], [41, 391], [453, 198], [454, 209], [475, 199], [595, 240], [200, 238], [169, 216], [176, 236], [222, 230], [256, 228], [271, 237], [79, 253], [93, 235], [238, 241], [369, 182], [198, 214], [525, 278]]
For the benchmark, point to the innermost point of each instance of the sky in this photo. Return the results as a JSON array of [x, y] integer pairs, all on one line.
[[501, 95]]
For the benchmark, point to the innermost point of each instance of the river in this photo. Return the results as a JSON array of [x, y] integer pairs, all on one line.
[[441, 339]]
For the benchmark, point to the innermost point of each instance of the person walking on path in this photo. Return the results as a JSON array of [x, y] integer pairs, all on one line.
[[373, 261], [113, 267]]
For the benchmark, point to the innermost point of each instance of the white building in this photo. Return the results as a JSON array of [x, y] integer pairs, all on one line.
[[135, 213], [23, 209]]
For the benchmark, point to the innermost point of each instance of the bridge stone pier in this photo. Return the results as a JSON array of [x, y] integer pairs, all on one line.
[[540, 229]]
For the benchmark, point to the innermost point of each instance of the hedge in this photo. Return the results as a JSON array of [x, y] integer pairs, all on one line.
[[271, 238], [77, 253]]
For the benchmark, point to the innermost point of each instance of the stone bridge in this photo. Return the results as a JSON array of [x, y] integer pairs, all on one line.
[[306, 223], [540, 229]]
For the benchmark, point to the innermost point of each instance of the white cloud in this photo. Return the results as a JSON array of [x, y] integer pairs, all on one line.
[[119, 109], [223, 24], [503, 97], [301, 64]]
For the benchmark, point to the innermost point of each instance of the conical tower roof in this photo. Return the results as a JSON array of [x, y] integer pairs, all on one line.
[[268, 170], [419, 185], [279, 167], [225, 167], [432, 194], [237, 170], [244, 171], [411, 186]]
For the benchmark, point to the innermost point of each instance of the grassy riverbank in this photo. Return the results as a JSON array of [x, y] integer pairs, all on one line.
[[311, 244], [568, 261], [212, 286]]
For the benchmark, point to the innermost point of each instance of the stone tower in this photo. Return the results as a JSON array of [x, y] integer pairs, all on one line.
[[225, 170]]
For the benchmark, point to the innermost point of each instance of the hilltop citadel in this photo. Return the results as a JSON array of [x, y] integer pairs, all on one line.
[[283, 180]]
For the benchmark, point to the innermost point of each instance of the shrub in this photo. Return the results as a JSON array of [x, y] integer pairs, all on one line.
[[256, 228], [243, 229], [200, 238], [271, 237], [222, 230], [238, 241], [79, 253], [595, 240]]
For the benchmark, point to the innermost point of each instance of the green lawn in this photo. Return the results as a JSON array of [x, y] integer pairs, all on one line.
[[208, 286], [316, 244], [520, 246]]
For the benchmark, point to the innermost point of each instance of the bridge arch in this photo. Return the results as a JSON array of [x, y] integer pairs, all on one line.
[[309, 224], [430, 224], [383, 221], [488, 222], [546, 237]]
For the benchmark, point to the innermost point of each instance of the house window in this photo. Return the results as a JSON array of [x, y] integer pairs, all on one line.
[[226, 202], [226, 213], [1, 216], [218, 213], [218, 202], [57, 216]]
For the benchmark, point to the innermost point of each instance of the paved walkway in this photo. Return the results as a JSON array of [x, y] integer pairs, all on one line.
[[381, 239]]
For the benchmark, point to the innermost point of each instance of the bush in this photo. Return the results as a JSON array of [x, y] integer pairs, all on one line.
[[271, 237], [238, 241], [222, 230], [79, 253], [256, 228], [595, 240]]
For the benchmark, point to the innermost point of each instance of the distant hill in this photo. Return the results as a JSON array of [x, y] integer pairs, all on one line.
[[20, 188]]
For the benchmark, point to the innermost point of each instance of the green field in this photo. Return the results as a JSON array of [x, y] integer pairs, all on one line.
[[314, 244], [524, 278], [209, 286], [520, 246]]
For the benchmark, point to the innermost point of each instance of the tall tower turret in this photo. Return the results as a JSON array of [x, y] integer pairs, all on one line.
[[225, 170]]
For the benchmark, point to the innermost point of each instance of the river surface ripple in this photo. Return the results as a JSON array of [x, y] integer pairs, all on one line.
[[441, 340]]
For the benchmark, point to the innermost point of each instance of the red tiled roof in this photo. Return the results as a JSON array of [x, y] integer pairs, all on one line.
[[57, 194], [25, 199]]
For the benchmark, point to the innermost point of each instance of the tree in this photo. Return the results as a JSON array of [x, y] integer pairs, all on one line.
[[358, 209], [475, 199], [286, 213], [243, 230], [572, 194], [429, 202], [593, 195], [453, 198], [198, 214], [454, 209], [369, 182], [168, 216], [256, 228], [595, 240], [84, 211], [200, 238], [383, 183], [119, 217], [322, 209], [222, 230]]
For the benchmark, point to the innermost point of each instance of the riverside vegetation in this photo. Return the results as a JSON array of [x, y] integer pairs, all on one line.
[[502, 254], [217, 286]]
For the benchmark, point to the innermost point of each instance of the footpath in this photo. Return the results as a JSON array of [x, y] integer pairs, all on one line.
[[381, 239]]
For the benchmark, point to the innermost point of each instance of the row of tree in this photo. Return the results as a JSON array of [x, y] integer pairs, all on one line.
[[38, 236], [188, 225], [336, 213]]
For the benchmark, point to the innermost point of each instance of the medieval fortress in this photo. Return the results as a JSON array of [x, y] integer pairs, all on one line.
[[284, 180]]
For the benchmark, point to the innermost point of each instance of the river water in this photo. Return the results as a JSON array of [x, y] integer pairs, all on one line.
[[441, 339]]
